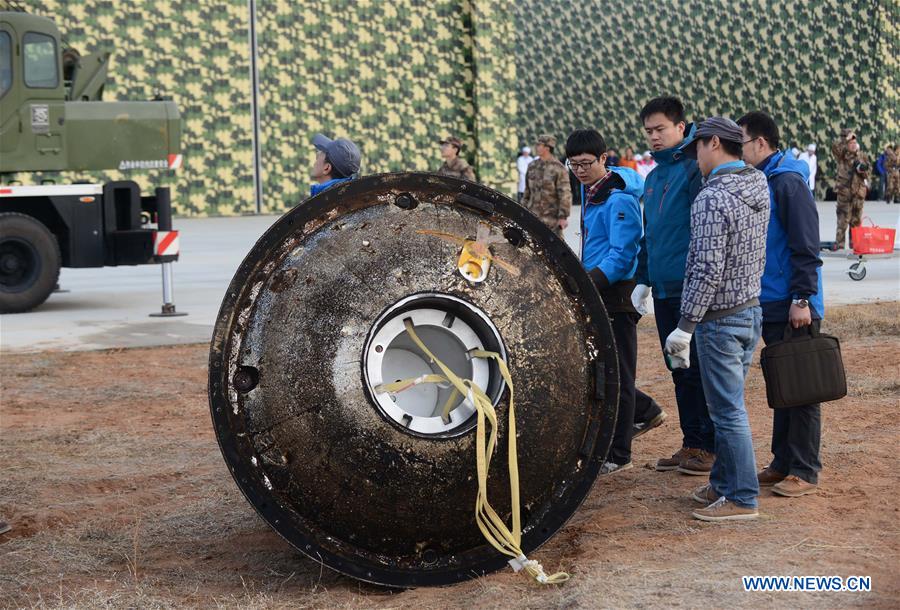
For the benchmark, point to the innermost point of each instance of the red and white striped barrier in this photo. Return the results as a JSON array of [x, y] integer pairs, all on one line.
[[165, 243]]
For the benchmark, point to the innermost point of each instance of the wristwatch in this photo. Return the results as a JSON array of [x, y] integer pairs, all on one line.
[[801, 303]]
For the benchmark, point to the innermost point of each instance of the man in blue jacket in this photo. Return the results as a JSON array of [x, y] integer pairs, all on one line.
[[668, 193], [336, 161], [610, 237], [791, 295]]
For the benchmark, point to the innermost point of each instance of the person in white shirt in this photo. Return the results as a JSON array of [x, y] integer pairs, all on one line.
[[645, 164], [522, 164], [809, 156]]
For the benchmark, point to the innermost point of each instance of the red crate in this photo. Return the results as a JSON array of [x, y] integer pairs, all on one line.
[[872, 239]]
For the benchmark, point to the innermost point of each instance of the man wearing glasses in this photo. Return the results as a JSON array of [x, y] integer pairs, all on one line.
[[547, 192], [850, 184], [610, 236], [791, 293]]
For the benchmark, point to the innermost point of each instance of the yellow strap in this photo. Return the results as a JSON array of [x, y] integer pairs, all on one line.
[[489, 522]]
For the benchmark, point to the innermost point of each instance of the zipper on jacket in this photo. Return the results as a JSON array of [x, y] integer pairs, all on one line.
[[663, 198]]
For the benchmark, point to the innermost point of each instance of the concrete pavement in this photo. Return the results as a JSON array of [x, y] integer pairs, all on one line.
[[109, 307]]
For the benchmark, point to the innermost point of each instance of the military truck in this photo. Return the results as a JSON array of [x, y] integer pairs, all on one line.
[[53, 118]]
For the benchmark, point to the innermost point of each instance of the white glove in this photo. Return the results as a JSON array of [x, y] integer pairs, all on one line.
[[678, 348], [639, 297]]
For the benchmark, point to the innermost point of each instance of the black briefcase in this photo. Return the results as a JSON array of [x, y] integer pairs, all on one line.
[[803, 370]]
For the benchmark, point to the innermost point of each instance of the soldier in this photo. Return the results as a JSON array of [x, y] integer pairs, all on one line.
[[548, 194], [850, 184], [892, 174], [454, 165]]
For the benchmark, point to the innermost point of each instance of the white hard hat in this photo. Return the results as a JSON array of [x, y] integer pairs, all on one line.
[[811, 148], [526, 150]]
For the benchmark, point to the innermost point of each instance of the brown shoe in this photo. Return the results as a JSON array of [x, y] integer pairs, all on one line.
[[705, 495], [723, 510], [663, 464], [793, 487], [699, 464], [768, 477]]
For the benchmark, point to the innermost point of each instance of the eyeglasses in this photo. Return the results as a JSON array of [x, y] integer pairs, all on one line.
[[745, 142], [583, 166]]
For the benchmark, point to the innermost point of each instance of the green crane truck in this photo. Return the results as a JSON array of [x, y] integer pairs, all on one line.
[[52, 118]]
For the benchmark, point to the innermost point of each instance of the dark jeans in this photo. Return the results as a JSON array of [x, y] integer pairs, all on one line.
[[624, 327], [693, 414], [796, 431], [645, 408]]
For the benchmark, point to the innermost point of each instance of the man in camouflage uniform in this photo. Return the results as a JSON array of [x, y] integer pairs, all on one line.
[[453, 164], [548, 194], [850, 184], [892, 174]]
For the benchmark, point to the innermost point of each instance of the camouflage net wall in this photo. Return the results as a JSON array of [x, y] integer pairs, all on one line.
[[195, 53], [815, 66], [396, 76]]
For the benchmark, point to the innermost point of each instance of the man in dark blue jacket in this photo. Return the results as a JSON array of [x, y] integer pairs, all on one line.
[[610, 237], [791, 295], [668, 193]]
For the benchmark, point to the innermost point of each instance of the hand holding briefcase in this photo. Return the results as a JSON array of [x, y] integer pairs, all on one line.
[[803, 370]]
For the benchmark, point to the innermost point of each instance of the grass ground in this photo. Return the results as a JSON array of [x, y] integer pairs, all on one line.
[[119, 498]]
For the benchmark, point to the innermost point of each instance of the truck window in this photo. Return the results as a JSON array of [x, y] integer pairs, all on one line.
[[40, 61], [5, 63]]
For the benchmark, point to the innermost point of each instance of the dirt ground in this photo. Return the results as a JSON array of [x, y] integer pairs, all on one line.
[[118, 496]]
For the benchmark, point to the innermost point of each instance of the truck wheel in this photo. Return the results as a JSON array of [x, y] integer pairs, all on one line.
[[29, 263]]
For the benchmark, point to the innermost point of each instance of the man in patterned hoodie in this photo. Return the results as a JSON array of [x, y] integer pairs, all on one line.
[[720, 304]]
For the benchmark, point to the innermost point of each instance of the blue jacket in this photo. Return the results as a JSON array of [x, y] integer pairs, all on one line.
[[668, 193], [611, 228], [879, 165], [793, 267], [315, 189]]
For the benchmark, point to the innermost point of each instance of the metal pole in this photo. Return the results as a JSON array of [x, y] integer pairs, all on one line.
[[254, 108], [164, 223], [168, 287]]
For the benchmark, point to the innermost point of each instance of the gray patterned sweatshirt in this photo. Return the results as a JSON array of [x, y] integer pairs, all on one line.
[[727, 253]]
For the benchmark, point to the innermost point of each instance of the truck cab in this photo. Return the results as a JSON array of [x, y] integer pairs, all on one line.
[[53, 118], [31, 91]]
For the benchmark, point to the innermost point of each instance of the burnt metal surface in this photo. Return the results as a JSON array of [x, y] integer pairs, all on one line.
[[300, 432]]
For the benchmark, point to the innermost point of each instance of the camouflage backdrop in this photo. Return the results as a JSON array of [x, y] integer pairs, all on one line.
[[815, 66], [395, 76]]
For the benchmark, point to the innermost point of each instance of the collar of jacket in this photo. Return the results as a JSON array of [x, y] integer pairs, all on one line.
[[780, 163], [604, 188], [667, 156], [318, 188], [771, 162], [727, 170]]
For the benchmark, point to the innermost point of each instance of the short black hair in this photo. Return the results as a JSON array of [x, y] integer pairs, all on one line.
[[585, 141], [335, 172], [735, 149], [760, 125], [668, 105]]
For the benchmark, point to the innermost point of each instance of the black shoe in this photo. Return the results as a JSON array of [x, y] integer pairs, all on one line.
[[645, 426], [611, 467], [4, 527]]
